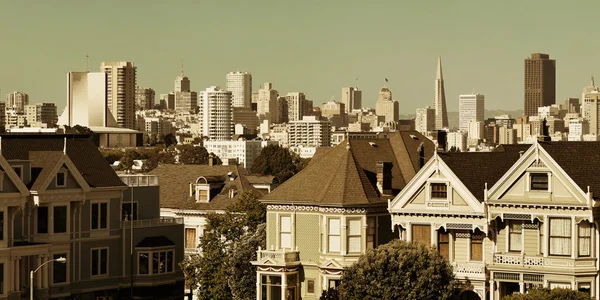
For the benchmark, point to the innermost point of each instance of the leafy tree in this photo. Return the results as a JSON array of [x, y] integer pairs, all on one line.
[[216, 159], [192, 155], [549, 294], [454, 149], [277, 161], [330, 294], [85, 130], [111, 155], [224, 271], [170, 140], [398, 270]]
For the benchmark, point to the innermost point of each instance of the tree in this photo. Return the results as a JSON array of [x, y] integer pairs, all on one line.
[[192, 155], [170, 140], [85, 130], [454, 149], [277, 161], [398, 270], [330, 294], [549, 294], [224, 271]]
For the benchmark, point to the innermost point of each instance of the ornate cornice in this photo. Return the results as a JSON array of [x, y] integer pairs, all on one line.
[[277, 269], [325, 209]]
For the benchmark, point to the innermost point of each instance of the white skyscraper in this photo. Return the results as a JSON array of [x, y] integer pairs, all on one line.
[[86, 101], [590, 108], [352, 98], [216, 114], [17, 101], [471, 108], [425, 119], [120, 86], [386, 106], [439, 100], [240, 86], [267, 103]]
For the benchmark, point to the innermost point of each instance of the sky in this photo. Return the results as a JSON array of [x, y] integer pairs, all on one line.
[[311, 46]]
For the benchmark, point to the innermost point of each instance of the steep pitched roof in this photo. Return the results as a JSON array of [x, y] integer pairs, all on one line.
[[80, 149], [346, 174], [42, 163], [174, 181]]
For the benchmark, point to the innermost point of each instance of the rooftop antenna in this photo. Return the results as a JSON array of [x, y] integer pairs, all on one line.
[[182, 67], [593, 81], [87, 63], [356, 83]]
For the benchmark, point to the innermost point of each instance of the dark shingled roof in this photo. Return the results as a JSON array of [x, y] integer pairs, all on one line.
[[80, 149], [174, 181], [43, 162], [347, 177], [155, 241]]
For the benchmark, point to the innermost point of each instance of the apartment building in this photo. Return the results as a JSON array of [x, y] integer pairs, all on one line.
[[310, 131]]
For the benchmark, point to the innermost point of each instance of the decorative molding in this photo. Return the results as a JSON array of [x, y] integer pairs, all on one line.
[[463, 235], [275, 269], [459, 226], [331, 272], [337, 210], [531, 226], [513, 216]]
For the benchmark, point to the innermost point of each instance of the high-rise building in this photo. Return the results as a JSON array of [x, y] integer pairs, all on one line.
[[471, 108], [425, 120], [240, 86], [87, 100], [41, 115], [186, 101], [386, 106], [309, 132], [540, 82], [335, 112], [144, 98], [17, 101], [297, 106], [590, 108], [216, 114], [267, 103], [120, 86], [182, 83], [439, 100], [282, 110], [167, 101], [352, 98]]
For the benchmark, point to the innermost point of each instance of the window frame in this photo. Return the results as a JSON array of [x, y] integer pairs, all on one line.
[[308, 287], [282, 233], [334, 235], [66, 266], [512, 232], [432, 191], [150, 253], [99, 221], [54, 219], [99, 266], [443, 233], [476, 241], [590, 229], [195, 237], [533, 175], [64, 174], [20, 173], [553, 236], [349, 235], [135, 210], [37, 219], [371, 242]]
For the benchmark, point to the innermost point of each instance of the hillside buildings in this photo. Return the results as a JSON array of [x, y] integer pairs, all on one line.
[[540, 82], [17, 101], [297, 106], [309, 132]]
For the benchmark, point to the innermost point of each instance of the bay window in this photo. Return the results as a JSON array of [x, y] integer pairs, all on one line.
[[560, 236], [354, 234], [515, 234], [156, 262], [333, 235], [371, 228], [285, 232], [585, 238]]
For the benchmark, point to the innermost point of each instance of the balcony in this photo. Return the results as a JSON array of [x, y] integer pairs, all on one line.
[[530, 261], [139, 180], [282, 256], [162, 221], [471, 270]]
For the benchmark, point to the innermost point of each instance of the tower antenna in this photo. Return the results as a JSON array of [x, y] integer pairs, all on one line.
[[182, 67]]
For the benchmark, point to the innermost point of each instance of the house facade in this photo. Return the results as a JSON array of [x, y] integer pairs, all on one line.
[[61, 199], [323, 218], [509, 220]]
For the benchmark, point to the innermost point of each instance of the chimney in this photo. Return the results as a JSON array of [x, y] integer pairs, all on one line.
[[384, 177], [211, 160]]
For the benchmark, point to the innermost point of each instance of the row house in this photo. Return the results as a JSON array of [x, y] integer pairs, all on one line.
[[61, 216], [326, 216], [509, 220]]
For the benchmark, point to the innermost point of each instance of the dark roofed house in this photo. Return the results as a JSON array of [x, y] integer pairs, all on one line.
[[323, 218]]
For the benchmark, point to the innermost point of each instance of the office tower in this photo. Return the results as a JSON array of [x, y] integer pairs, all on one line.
[[309, 132], [297, 106], [590, 108], [476, 130], [267, 103], [186, 101], [17, 101], [439, 100], [41, 115], [167, 101], [471, 108], [240, 86], [282, 110], [335, 112], [87, 100], [120, 86], [386, 106], [456, 141], [540, 82], [144, 98], [571, 105], [216, 114], [182, 83], [425, 120], [352, 98]]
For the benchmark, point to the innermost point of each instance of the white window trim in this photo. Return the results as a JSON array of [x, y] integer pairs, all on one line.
[[99, 214], [429, 200], [528, 183], [65, 173], [280, 232], [151, 262], [339, 235], [360, 236], [100, 262], [51, 269], [202, 188], [196, 242]]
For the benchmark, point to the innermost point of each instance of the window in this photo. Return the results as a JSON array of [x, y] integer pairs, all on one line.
[[354, 240], [334, 235], [477, 246], [421, 234], [560, 236], [162, 262], [515, 233], [42, 219], [333, 283], [99, 262], [127, 214], [203, 195], [285, 232], [19, 171], [310, 286], [190, 238], [539, 181], [99, 215], [59, 270], [444, 243], [61, 179], [1, 227], [143, 263], [371, 223], [585, 238], [585, 287], [439, 191], [60, 219]]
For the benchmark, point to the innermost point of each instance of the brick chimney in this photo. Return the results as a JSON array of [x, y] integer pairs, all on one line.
[[384, 177]]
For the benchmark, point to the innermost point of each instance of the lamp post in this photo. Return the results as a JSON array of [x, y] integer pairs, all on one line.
[[60, 260]]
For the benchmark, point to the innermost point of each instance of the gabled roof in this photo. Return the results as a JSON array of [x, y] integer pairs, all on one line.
[[80, 150], [45, 165], [175, 182], [346, 174]]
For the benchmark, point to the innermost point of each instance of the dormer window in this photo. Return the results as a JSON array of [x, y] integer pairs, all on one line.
[[61, 179], [538, 181], [19, 171], [439, 191], [202, 195]]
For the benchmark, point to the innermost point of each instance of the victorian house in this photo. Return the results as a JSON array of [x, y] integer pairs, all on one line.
[[322, 219], [509, 220], [61, 217]]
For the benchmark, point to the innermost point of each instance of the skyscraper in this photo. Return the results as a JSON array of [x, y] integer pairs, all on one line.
[[86, 101], [540, 82], [297, 106], [216, 114], [120, 86], [182, 83], [590, 108], [439, 100], [470, 108], [240, 86], [425, 119], [267, 103], [386, 106], [352, 98], [17, 101], [144, 98]]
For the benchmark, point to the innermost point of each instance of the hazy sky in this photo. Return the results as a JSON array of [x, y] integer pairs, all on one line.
[[315, 47]]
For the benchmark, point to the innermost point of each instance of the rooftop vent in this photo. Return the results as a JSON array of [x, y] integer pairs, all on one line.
[[414, 137], [373, 144]]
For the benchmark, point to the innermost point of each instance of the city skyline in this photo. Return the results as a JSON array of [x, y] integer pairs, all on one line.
[[328, 50]]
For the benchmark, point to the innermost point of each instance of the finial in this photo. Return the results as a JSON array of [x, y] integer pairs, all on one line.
[[65, 147]]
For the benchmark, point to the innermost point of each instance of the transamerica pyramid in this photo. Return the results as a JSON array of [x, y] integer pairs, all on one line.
[[439, 100]]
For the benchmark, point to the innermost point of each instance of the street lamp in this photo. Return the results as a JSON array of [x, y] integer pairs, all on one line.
[[60, 260]]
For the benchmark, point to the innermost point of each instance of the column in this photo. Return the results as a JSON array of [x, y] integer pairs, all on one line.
[[45, 272], [38, 275], [574, 238], [546, 235], [258, 289], [284, 286], [492, 286], [434, 236], [521, 287]]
